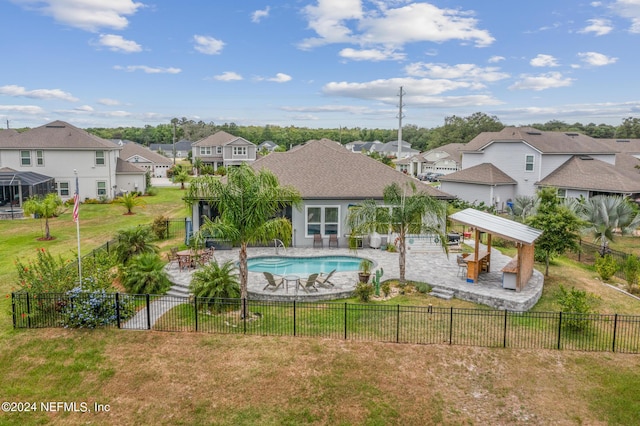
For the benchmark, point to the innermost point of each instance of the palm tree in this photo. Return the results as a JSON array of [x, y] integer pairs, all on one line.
[[401, 214], [607, 214], [129, 201], [45, 208], [197, 165], [133, 241], [523, 207], [181, 177], [216, 282], [248, 205], [145, 274]]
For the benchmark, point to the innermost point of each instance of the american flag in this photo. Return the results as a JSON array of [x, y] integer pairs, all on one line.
[[76, 201]]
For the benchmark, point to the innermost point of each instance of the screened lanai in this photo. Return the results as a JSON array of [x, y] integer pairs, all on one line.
[[16, 186]]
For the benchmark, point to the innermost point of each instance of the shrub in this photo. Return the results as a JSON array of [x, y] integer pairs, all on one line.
[[577, 304], [93, 309], [215, 283], [606, 266], [364, 291], [134, 241], [98, 271], [631, 268], [145, 274], [423, 287], [152, 191], [386, 288], [46, 274], [159, 226]]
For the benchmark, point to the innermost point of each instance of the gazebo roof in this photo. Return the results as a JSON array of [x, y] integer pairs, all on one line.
[[496, 225]]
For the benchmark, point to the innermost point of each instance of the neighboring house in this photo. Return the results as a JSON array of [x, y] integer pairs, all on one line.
[[445, 159], [329, 180], [269, 146], [156, 164], [360, 146], [60, 150], [183, 148], [129, 177], [390, 149], [224, 149], [499, 166]]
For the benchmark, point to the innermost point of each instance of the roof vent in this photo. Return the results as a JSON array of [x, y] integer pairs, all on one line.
[[572, 134], [55, 126], [623, 140], [534, 133], [586, 157]]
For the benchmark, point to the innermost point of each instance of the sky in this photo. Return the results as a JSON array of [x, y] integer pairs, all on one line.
[[318, 64]]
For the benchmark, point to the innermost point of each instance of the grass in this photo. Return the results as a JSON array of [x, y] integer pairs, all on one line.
[[195, 378]]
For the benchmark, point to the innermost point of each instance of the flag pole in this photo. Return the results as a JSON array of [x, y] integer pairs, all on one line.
[[76, 219]]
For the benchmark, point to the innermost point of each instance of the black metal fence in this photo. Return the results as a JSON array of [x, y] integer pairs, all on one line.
[[589, 252], [365, 322]]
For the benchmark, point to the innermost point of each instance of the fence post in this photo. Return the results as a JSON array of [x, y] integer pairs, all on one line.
[[580, 250], [118, 309], [148, 312], [345, 321], [559, 328], [13, 308], [615, 327], [167, 224], [244, 315], [294, 317], [28, 312], [195, 307], [398, 324], [504, 337], [108, 247], [451, 325]]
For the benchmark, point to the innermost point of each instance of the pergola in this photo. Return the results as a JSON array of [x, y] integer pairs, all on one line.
[[524, 236]]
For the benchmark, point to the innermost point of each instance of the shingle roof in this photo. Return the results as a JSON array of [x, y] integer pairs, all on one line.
[[545, 142], [323, 169], [218, 139], [630, 146], [586, 173], [131, 149], [126, 167], [484, 174], [183, 145], [7, 133], [57, 135]]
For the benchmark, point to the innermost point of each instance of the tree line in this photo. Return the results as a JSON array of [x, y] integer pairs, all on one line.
[[454, 130]]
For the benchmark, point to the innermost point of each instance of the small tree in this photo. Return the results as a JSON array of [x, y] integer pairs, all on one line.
[[134, 241], [44, 208], [216, 282], [129, 201], [577, 304], [181, 177]]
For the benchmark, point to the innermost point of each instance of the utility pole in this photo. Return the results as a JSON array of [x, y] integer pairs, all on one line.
[[174, 142], [400, 117]]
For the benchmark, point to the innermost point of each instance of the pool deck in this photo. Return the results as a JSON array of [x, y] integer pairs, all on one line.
[[430, 265]]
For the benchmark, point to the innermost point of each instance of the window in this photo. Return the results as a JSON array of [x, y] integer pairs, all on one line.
[[205, 150], [99, 158], [528, 163], [562, 193], [323, 220], [63, 189], [102, 188], [239, 151], [25, 158], [39, 158], [218, 150]]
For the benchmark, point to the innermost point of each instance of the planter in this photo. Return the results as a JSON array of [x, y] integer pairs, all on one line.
[[364, 277]]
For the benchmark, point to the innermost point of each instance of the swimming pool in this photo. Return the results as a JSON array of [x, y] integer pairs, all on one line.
[[284, 265]]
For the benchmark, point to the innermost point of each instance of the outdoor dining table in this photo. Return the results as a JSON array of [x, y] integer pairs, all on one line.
[[189, 254]]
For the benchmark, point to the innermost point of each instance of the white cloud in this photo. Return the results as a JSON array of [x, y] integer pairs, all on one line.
[[544, 61], [496, 59], [257, 15], [208, 45], [598, 26], [47, 94], [148, 70], [348, 109], [596, 59], [24, 109], [629, 9], [84, 108], [469, 72], [541, 82], [228, 76], [373, 55], [346, 21], [280, 78], [88, 15], [117, 43], [108, 102]]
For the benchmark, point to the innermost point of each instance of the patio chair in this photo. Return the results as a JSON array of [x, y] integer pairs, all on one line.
[[310, 284], [323, 280], [184, 262], [173, 259], [317, 240], [333, 240], [462, 266], [272, 282]]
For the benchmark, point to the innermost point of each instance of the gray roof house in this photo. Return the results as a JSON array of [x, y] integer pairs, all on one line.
[[60, 150], [183, 148], [143, 157], [390, 149], [445, 159], [500, 166], [224, 149], [330, 180], [268, 145]]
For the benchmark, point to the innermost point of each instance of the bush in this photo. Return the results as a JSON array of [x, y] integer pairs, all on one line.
[[386, 288], [159, 226], [215, 283], [46, 274], [423, 287], [93, 309], [152, 191], [606, 266], [364, 292], [577, 304], [145, 274], [631, 269]]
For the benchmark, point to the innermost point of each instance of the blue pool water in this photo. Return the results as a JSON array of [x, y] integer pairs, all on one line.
[[281, 265]]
